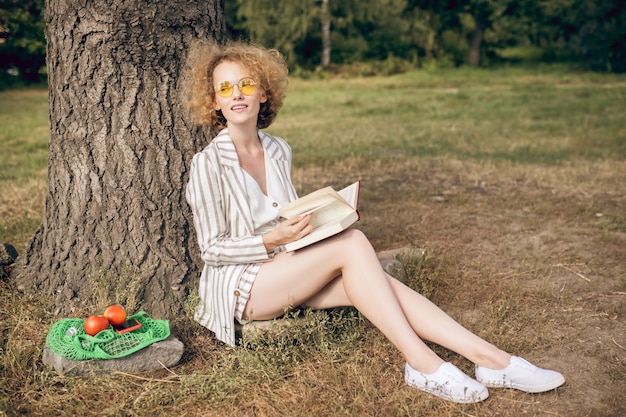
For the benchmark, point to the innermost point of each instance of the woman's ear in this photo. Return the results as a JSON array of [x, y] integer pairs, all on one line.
[[263, 97], [215, 105]]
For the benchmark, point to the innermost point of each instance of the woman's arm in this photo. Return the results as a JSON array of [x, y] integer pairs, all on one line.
[[214, 227]]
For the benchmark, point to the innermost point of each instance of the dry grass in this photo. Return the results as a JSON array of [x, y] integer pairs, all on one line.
[[527, 249]]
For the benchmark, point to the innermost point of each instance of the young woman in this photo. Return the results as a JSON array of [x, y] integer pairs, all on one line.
[[237, 185]]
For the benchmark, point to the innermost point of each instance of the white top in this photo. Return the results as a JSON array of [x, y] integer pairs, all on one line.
[[265, 207]]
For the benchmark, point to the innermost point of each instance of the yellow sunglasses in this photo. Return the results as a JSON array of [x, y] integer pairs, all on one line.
[[246, 86]]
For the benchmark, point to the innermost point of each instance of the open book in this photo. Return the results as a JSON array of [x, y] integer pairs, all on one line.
[[333, 211]]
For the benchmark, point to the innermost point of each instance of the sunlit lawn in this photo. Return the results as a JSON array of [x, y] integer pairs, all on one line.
[[506, 177], [23, 162]]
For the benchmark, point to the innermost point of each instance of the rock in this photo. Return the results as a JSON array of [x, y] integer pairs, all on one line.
[[159, 355], [390, 263], [8, 255], [394, 268]]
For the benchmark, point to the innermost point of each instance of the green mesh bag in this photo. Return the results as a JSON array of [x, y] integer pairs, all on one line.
[[107, 344]]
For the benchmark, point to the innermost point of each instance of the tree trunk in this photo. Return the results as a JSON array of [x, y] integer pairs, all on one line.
[[475, 44], [117, 228], [325, 34]]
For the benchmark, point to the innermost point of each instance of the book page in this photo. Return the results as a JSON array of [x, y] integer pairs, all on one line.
[[324, 231], [311, 202], [330, 213], [351, 194]]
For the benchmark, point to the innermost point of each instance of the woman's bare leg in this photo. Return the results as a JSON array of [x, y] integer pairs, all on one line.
[[428, 321], [291, 279], [344, 270]]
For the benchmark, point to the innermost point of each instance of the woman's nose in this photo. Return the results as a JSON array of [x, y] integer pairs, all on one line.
[[236, 91]]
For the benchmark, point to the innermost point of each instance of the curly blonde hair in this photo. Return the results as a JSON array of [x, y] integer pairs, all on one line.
[[267, 67]]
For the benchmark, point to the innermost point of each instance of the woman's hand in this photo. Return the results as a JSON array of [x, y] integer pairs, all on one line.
[[288, 231]]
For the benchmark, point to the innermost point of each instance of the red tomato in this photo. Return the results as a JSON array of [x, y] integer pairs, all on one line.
[[95, 324], [116, 314]]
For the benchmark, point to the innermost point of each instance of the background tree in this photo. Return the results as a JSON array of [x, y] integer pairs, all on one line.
[[465, 17], [325, 17], [584, 32], [116, 226], [277, 24], [383, 27], [22, 41], [594, 31]]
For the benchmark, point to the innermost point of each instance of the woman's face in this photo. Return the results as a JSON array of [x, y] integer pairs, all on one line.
[[239, 108]]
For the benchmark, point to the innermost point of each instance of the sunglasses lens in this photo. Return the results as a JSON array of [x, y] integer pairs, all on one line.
[[225, 90], [247, 86]]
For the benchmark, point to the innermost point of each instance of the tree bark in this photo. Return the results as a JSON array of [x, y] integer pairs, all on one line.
[[475, 46], [325, 34], [117, 228]]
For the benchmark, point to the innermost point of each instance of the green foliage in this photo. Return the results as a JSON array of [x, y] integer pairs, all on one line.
[[414, 31], [280, 25], [603, 36], [23, 52], [420, 31]]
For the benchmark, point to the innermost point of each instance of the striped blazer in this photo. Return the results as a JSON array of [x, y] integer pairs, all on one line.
[[222, 218]]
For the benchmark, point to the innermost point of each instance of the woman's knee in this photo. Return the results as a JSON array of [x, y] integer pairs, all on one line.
[[346, 247], [357, 237]]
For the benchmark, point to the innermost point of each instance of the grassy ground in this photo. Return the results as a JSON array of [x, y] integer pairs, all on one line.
[[23, 163], [511, 180]]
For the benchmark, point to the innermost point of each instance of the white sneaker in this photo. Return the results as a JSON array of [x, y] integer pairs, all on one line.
[[521, 375], [447, 382]]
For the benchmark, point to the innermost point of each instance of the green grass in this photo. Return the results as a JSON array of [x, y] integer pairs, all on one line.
[[529, 117], [23, 162], [24, 135], [510, 179]]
